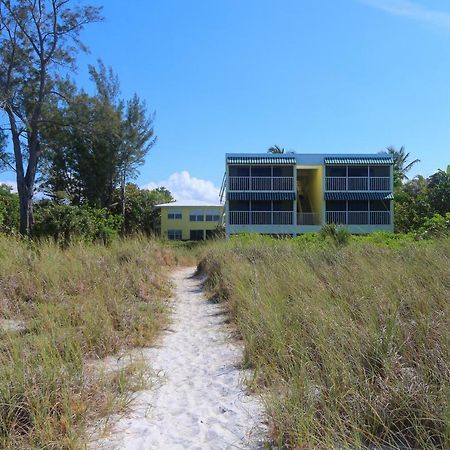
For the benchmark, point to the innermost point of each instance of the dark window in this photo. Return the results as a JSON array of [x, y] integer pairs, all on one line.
[[336, 171], [239, 205], [239, 171], [174, 235], [336, 205], [358, 171], [196, 235], [196, 218], [282, 171], [282, 205], [264, 171], [358, 205], [261, 206], [212, 217], [380, 171], [379, 205], [174, 215]]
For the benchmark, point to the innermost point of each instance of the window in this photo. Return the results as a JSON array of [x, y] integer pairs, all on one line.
[[358, 171], [336, 205], [282, 171], [336, 171], [380, 205], [172, 215], [239, 171], [239, 205], [380, 171], [196, 235], [196, 216], [358, 205], [174, 235], [212, 216], [264, 171]]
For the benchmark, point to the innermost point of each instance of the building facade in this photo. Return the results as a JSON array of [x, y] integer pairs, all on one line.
[[189, 221], [289, 194]]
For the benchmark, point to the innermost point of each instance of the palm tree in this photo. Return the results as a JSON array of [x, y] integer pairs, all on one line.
[[276, 149], [401, 164]]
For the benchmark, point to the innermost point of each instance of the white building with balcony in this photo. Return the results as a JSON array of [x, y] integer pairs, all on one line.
[[293, 193]]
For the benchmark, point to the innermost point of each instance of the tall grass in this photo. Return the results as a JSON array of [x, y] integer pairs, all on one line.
[[350, 345], [67, 307]]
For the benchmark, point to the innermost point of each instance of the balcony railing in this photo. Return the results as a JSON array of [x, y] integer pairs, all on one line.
[[359, 217], [358, 183], [308, 219], [261, 217], [261, 184]]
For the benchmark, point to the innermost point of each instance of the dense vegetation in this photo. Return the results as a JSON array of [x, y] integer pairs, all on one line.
[[349, 343], [67, 307]]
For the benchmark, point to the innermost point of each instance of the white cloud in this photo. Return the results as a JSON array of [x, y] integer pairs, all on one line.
[[185, 187], [11, 184], [412, 10]]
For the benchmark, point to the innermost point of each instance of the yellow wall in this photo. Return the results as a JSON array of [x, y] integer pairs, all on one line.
[[314, 187], [184, 224]]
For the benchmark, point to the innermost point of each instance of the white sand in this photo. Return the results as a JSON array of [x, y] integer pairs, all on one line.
[[200, 401]]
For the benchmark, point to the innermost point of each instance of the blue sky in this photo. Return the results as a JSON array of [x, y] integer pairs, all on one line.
[[336, 76]]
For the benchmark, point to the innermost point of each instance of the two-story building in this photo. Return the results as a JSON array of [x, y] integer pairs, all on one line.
[[193, 220], [289, 194]]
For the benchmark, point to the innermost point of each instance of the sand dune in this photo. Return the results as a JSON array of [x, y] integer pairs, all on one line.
[[199, 401]]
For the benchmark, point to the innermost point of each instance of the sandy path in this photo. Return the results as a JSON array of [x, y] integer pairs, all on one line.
[[200, 402]]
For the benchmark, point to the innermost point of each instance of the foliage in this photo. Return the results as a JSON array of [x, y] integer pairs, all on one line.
[[436, 226], [419, 199], [72, 308], [401, 164], [338, 235], [349, 349], [9, 210], [66, 223], [37, 41], [276, 149], [140, 214], [95, 143]]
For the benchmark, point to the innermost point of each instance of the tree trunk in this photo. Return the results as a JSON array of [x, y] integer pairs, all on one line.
[[123, 198], [26, 208]]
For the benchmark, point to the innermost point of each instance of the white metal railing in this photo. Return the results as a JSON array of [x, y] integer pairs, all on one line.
[[308, 219], [359, 217], [358, 183], [261, 184], [261, 217], [380, 184]]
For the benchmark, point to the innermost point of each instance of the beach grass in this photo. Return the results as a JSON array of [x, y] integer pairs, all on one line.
[[61, 310], [349, 344]]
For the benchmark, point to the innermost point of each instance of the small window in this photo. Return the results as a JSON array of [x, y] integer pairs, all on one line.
[[174, 235], [336, 205], [358, 171], [197, 235], [239, 171], [174, 215], [358, 205], [264, 171], [212, 217], [336, 171], [380, 171], [196, 216]]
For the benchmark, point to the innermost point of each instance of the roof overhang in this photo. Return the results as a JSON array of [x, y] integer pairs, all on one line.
[[359, 196], [261, 196], [358, 160], [265, 160]]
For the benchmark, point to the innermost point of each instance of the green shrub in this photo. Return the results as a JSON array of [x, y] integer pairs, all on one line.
[[66, 223], [436, 226]]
